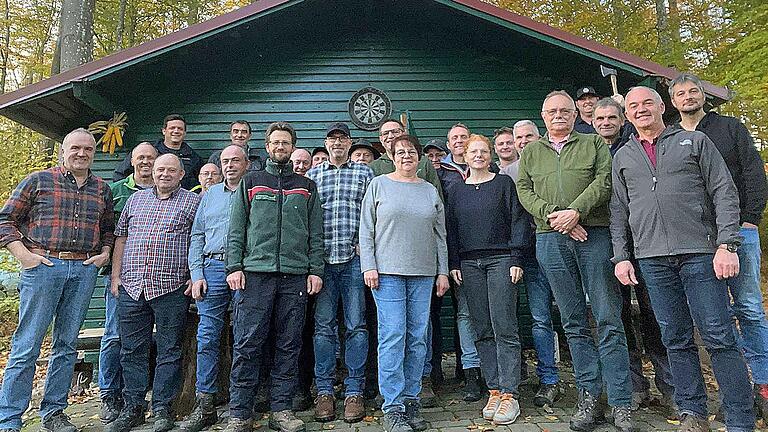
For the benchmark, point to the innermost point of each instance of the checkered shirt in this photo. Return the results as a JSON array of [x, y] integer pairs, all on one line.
[[48, 210], [158, 231], [341, 192]]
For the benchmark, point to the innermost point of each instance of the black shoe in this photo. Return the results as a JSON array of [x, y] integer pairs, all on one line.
[[111, 404], [588, 413], [547, 395], [261, 403], [129, 418], [203, 415], [163, 421], [395, 422], [302, 401], [57, 422], [413, 416], [473, 391]]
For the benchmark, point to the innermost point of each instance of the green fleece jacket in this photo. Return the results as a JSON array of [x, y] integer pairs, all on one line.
[[578, 178], [425, 171], [276, 224]]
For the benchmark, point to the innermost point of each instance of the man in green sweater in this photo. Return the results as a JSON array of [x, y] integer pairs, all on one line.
[[564, 181], [274, 262]]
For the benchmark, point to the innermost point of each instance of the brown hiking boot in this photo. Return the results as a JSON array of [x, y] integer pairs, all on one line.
[[325, 408], [354, 408]]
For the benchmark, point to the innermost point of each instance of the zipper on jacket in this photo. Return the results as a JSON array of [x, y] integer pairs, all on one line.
[[279, 213], [654, 171]]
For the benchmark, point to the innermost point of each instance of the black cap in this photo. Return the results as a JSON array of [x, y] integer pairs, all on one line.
[[319, 150], [361, 143], [339, 126], [583, 91], [437, 143]]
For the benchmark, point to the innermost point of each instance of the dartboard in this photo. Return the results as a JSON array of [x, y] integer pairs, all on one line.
[[369, 107]]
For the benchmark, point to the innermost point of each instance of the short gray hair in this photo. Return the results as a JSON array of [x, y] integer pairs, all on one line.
[[609, 102], [683, 78], [526, 122], [74, 133], [656, 96], [554, 93]]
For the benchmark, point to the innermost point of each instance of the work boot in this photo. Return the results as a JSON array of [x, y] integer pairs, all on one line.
[[509, 410], [494, 399], [354, 408], [239, 425], [413, 416], [285, 421], [472, 385], [427, 395], [203, 415], [57, 422], [692, 423], [9, 430], [325, 408], [547, 394], [302, 401], [163, 420], [622, 419], [129, 418], [111, 404], [395, 422], [588, 413]]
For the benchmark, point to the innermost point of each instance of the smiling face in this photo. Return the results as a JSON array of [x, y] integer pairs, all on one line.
[[302, 161], [338, 143], [478, 155], [239, 134], [174, 133], [280, 146], [319, 158], [405, 158], [559, 115], [167, 172], [504, 145], [388, 132], [362, 155], [209, 176], [142, 159], [687, 97], [524, 135], [77, 152], [586, 104], [457, 136], [435, 156], [234, 164], [644, 109], [607, 122]]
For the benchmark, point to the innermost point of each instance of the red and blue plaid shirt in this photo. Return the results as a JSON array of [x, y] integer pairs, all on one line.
[[47, 210], [158, 230]]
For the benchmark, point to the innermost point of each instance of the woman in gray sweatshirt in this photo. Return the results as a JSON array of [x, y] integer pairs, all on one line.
[[402, 249]]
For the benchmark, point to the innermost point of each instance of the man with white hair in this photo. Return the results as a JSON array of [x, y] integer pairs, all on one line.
[[59, 224]]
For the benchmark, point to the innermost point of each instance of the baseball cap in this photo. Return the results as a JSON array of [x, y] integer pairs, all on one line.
[[583, 91], [361, 143], [338, 126], [436, 143]]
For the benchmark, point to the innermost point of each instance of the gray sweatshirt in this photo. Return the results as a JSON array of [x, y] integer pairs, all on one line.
[[402, 229], [686, 204]]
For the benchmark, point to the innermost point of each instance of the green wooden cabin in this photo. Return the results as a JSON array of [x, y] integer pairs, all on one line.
[[302, 61]]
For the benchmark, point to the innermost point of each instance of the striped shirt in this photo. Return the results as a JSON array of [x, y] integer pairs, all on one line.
[[158, 231], [341, 191], [48, 210]]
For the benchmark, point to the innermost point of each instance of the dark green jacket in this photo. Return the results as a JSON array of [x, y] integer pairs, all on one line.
[[276, 224], [578, 178], [425, 171], [121, 190]]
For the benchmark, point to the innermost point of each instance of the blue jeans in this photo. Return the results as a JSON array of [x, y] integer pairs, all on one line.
[[748, 307], [402, 303], [169, 313], [110, 371], [341, 282], [469, 357], [540, 303], [684, 291], [212, 310], [60, 293], [572, 268]]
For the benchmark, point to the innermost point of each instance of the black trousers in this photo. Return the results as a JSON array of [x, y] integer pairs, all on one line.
[[267, 297]]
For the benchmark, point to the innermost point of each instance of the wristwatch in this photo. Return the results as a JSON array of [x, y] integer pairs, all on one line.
[[730, 247]]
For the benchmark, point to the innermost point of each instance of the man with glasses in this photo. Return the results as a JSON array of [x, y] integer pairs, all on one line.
[[565, 184], [341, 185]]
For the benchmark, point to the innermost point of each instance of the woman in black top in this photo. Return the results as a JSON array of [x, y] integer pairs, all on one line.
[[487, 233]]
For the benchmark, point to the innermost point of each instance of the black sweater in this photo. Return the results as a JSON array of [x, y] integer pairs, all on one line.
[[736, 146], [485, 220]]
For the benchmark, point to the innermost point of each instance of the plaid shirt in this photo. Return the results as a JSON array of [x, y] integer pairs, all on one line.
[[158, 230], [341, 191], [48, 210]]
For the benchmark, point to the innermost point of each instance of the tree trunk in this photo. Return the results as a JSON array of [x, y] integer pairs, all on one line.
[[193, 15], [120, 24], [6, 46], [662, 28], [75, 33]]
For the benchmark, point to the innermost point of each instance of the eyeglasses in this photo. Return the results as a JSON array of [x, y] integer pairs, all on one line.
[[281, 143], [501, 143], [562, 111], [403, 153], [332, 140], [395, 132]]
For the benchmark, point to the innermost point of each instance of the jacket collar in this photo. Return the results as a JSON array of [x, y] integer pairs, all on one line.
[[279, 169]]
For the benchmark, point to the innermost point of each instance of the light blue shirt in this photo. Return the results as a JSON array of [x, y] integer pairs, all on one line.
[[209, 231]]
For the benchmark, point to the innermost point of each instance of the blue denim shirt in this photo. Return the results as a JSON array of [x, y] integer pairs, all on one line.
[[209, 231]]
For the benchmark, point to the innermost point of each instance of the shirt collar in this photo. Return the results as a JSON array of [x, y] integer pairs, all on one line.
[[69, 176], [173, 194]]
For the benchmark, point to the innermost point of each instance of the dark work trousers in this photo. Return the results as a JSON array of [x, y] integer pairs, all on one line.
[[437, 337], [267, 297], [651, 341], [307, 353], [372, 365]]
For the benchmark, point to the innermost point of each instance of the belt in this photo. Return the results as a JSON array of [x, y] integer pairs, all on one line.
[[64, 255], [215, 256]]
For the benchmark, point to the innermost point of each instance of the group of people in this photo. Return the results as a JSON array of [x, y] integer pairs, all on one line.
[[346, 249]]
